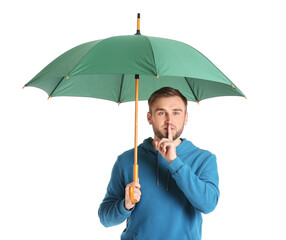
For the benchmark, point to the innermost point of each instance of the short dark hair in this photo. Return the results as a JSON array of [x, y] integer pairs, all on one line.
[[166, 92]]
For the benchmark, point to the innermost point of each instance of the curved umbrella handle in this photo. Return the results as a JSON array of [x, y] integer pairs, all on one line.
[[135, 179]]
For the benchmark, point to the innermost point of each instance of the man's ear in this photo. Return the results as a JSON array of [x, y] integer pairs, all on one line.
[[186, 118], [149, 118]]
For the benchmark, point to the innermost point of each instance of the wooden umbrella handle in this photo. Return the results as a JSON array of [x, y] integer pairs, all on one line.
[[135, 179]]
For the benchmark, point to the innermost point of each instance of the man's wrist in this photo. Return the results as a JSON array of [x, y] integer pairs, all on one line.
[[172, 159], [127, 207]]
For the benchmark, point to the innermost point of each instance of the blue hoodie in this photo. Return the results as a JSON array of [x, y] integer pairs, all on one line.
[[173, 195]]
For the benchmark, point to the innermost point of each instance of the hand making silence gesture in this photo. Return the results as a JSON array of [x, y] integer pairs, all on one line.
[[167, 147]]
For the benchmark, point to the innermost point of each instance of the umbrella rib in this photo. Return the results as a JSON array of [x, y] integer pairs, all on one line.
[[191, 89], [56, 86], [122, 78], [152, 54]]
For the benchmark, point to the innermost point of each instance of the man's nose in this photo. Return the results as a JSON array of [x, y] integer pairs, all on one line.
[[169, 118]]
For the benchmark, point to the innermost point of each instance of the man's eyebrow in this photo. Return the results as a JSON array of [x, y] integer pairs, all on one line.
[[160, 109], [163, 109]]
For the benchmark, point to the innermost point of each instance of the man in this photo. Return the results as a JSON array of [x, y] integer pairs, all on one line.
[[178, 181]]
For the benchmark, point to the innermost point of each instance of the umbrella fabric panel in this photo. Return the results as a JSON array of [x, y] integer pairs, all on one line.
[[204, 89], [46, 84], [53, 73], [102, 86], [118, 55], [174, 58], [149, 84]]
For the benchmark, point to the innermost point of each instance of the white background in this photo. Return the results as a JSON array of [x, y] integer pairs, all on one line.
[[57, 155]]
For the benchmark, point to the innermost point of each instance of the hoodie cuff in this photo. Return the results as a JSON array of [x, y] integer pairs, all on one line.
[[123, 211], [175, 165]]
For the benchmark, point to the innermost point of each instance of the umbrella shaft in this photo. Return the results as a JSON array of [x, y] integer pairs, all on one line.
[[135, 169]]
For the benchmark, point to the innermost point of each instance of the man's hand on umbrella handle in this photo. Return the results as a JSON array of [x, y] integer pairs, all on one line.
[[135, 187]]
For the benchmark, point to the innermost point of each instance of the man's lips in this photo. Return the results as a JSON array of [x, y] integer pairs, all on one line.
[[166, 128]]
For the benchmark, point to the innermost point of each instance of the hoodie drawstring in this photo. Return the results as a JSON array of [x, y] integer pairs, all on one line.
[[157, 169], [168, 180], [158, 176]]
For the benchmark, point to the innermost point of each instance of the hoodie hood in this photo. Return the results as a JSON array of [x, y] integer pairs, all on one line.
[[184, 147]]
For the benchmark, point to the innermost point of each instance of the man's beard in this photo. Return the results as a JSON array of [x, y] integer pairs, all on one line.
[[160, 135]]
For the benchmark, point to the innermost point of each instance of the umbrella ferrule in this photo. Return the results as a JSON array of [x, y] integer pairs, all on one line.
[[138, 24]]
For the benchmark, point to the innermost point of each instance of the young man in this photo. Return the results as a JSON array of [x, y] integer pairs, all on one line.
[[178, 181]]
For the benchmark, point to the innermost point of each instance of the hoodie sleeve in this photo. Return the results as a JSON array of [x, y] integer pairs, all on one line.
[[112, 211], [202, 190]]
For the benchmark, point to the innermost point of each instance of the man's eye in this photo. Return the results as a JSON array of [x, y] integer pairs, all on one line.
[[176, 113], [161, 113]]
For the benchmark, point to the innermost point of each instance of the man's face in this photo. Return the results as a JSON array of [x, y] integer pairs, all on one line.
[[168, 111]]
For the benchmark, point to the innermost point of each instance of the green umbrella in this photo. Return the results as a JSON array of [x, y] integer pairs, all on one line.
[[106, 69]]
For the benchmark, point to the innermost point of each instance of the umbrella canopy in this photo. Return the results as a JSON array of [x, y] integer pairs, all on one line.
[[106, 69]]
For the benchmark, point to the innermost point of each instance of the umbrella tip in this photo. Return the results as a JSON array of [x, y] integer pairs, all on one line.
[[49, 97], [23, 87], [118, 103], [157, 76], [197, 102], [138, 24], [245, 97]]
